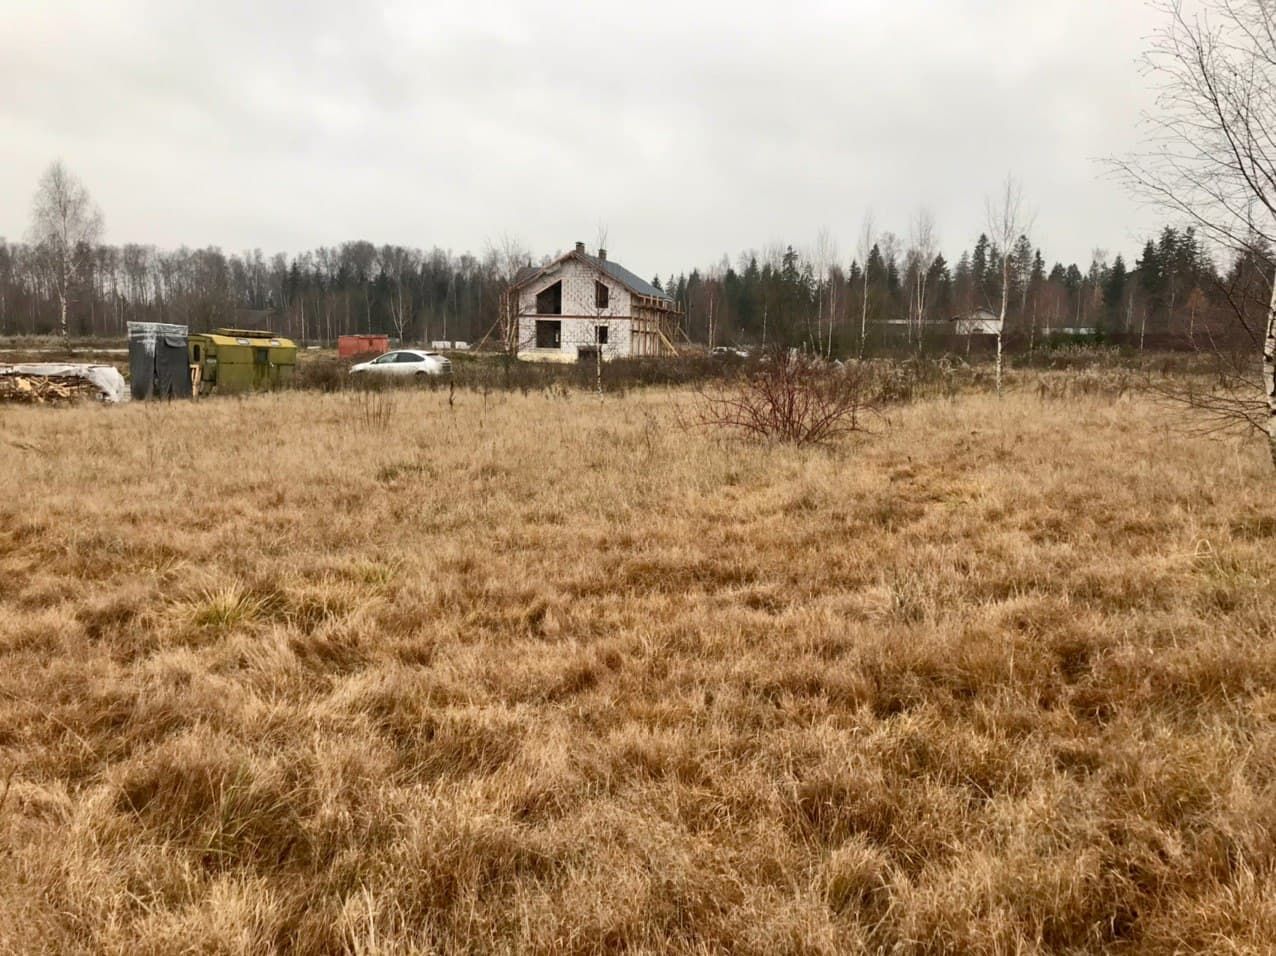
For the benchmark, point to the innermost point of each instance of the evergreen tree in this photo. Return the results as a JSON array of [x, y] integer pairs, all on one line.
[[1114, 287], [1021, 269], [876, 264], [892, 276], [1149, 266], [939, 284], [979, 264]]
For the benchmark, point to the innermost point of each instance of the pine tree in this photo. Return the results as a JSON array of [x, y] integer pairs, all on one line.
[[1114, 286], [1114, 290], [979, 264], [876, 264], [940, 284], [1022, 259]]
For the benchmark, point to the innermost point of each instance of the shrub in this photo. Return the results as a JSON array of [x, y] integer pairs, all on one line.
[[323, 373], [792, 398]]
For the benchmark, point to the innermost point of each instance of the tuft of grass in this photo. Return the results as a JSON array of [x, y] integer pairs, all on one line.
[[227, 607]]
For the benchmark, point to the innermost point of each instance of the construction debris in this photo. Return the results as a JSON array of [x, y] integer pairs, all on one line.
[[61, 384]]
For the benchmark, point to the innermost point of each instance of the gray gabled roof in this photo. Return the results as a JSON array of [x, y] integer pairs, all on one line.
[[626, 278], [614, 269]]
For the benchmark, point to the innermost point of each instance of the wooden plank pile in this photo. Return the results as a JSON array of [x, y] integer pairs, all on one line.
[[46, 389]]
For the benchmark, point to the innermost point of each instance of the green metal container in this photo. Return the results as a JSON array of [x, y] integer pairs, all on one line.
[[234, 360]]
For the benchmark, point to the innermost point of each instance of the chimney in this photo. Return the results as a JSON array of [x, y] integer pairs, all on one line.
[[580, 247], [602, 254]]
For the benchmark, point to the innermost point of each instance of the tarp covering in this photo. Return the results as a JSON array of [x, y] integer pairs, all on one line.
[[158, 362], [105, 378]]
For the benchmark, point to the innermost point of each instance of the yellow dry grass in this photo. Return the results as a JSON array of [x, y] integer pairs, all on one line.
[[540, 674]]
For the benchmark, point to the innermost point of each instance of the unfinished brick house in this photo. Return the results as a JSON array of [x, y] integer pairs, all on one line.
[[579, 304]]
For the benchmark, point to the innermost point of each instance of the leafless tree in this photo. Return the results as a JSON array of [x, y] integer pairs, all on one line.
[[865, 250], [921, 255], [888, 245], [1007, 220], [772, 255], [65, 223], [398, 264], [712, 286], [1211, 151], [601, 324], [504, 258], [823, 258]]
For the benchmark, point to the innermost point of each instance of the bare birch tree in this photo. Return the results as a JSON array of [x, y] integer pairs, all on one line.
[[922, 252], [1007, 220], [601, 310], [865, 250], [503, 259], [772, 257], [824, 257], [65, 223], [1211, 153], [398, 264]]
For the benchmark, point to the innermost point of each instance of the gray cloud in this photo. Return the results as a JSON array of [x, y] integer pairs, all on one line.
[[690, 129]]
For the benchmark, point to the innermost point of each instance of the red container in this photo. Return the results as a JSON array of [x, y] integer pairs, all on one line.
[[349, 346]]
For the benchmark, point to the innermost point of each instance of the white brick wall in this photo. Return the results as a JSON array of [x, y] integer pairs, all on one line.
[[580, 317]]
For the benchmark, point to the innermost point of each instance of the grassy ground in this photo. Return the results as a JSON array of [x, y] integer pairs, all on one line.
[[373, 672]]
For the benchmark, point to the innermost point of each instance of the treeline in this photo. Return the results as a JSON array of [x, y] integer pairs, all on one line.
[[1173, 292], [316, 296]]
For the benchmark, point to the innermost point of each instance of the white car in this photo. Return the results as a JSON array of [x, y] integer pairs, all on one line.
[[404, 362]]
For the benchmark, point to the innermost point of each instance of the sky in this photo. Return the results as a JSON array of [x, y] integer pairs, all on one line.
[[684, 130]]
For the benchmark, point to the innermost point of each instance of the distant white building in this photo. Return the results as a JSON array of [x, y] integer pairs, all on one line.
[[581, 303], [978, 322]]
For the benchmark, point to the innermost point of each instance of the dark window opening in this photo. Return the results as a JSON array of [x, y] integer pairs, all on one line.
[[549, 335], [261, 356], [602, 295], [197, 354], [600, 334], [550, 302], [407, 357]]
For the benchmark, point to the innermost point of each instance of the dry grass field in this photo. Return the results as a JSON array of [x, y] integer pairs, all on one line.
[[384, 674]]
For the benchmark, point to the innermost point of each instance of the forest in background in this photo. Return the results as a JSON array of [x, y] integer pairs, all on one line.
[[1173, 294]]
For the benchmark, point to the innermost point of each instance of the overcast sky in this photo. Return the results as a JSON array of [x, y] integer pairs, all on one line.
[[689, 129]]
